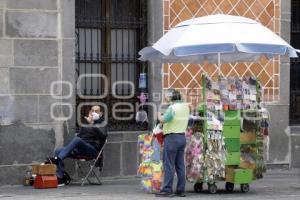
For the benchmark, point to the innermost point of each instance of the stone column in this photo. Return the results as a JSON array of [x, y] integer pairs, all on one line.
[[280, 153], [155, 31]]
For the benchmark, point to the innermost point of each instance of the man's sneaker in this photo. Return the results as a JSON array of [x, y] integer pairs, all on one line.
[[60, 182], [164, 194], [66, 178]]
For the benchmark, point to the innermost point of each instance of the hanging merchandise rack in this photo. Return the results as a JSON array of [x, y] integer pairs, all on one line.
[[227, 130]]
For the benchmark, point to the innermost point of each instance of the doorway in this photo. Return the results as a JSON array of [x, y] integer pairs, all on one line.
[[295, 65]]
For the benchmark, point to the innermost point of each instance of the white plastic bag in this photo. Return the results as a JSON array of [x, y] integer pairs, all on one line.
[[157, 129], [141, 116]]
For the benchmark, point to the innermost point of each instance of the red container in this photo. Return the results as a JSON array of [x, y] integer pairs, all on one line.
[[225, 107], [160, 138], [43, 182]]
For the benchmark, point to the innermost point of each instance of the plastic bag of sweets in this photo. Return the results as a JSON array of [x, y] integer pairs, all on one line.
[[194, 157], [157, 170], [141, 139], [147, 184]]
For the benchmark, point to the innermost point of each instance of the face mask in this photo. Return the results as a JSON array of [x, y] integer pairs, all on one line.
[[95, 115]]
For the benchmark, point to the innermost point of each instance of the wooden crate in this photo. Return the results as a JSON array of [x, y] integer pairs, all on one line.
[[46, 169]]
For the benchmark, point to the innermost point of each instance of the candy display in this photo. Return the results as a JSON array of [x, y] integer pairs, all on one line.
[[227, 136], [150, 168], [205, 150], [238, 93], [214, 122], [194, 156], [215, 152], [215, 156], [248, 157], [252, 138]]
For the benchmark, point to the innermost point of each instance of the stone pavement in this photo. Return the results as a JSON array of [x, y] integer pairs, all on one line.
[[277, 184]]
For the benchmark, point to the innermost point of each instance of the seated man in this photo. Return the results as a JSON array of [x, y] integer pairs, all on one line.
[[87, 143]]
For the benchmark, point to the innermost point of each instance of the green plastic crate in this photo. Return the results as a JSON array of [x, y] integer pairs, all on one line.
[[232, 144], [231, 131], [232, 117], [243, 176], [233, 158]]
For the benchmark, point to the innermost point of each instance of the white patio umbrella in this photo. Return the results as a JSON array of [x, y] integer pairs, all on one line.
[[216, 39]]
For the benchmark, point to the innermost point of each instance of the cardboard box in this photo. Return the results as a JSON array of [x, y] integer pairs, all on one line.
[[247, 165], [46, 169], [229, 174], [248, 137]]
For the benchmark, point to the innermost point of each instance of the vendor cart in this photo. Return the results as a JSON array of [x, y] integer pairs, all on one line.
[[229, 151], [227, 146]]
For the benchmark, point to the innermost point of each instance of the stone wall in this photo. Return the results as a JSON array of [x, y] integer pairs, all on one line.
[[37, 43]]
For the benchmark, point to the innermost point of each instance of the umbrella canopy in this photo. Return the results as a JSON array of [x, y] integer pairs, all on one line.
[[217, 39]]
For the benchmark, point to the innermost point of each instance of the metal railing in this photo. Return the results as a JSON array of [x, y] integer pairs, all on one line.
[[109, 34]]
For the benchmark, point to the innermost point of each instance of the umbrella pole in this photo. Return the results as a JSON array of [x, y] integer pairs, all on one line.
[[219, 64]]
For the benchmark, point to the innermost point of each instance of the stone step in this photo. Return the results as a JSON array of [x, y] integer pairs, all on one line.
[[295, 130]]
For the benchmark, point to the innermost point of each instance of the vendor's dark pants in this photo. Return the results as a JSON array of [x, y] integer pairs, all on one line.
[[173, 158], [78, 147]]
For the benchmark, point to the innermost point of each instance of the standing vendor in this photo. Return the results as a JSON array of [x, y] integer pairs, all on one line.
[[175, 121]]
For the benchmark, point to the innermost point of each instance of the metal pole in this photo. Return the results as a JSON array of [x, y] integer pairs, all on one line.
[[219, 64]]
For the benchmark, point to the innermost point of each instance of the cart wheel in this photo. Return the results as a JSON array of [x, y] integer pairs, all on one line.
[[229, 187], [212, 188], [198, 187], [245, 188]]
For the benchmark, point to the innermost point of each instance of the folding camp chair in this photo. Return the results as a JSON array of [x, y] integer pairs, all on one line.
[[92, 162]]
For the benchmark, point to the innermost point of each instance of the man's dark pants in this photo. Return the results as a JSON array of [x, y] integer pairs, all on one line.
[[77, 146], [173, 159]]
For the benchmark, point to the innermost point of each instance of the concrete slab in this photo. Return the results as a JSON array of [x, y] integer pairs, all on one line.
[[277, 184]]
